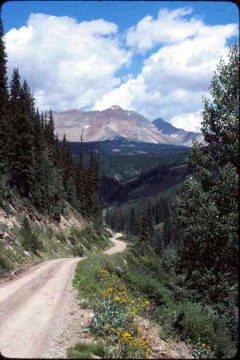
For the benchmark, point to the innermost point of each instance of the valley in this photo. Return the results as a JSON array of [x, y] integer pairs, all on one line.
[[119, 233]]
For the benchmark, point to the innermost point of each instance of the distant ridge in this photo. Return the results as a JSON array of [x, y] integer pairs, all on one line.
[[116, 123], [177, 136]]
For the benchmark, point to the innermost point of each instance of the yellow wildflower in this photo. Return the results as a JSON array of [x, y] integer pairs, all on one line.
[[145, 354], [145, 303], [103, 271], [116, 298], [126, 337]]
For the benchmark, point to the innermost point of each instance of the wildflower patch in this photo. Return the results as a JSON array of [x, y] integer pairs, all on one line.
[[114, 312]]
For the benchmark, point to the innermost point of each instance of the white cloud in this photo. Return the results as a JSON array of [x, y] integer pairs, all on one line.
[[74, 65], [191, 121], [176, 76], [165, 29], [68, 64], [172, 27]]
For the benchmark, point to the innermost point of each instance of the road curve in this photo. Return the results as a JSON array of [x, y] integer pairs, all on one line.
[[31, 305]]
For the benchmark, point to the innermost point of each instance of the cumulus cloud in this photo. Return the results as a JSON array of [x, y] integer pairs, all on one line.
[[78, 65], [192, 121], [172, 27], [68, 64], [177, 74]]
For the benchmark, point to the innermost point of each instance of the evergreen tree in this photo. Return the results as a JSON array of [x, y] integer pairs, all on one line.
[[80, 180], [50, 138], [3, 97], [151, 229], [208, 209], [144, 234], [132, 222], [21, 155]]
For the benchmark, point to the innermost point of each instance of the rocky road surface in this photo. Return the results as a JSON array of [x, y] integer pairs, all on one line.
[[35, 308]]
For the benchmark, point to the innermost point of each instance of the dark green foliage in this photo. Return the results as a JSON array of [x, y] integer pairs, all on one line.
[[30, 238], [208, 209], [86, 351], [25, 227], [208, 212], [3, 101], [34, 164]]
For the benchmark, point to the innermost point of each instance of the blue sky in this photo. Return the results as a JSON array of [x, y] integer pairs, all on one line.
[[156, 58], [123, 13]]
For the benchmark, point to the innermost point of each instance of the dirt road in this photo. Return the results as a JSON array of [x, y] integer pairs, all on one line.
[[33, 308]]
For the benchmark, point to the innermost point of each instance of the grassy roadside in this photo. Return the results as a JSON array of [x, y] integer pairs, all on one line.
[[115, 307], [32, 244], [154, 281]]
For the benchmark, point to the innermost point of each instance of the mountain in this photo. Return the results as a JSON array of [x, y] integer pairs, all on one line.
[[110, 124], [116, 124], [165, 127], [175, 135]]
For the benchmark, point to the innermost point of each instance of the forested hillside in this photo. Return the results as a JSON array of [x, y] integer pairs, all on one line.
[[34, 165], [41, 181]]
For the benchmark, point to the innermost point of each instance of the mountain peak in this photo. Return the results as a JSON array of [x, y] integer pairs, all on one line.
[[115, 107], [165, 127]]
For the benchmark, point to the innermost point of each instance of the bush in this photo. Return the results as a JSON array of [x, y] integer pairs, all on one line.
[[224, 345], [196, 322], [146, 284], [170, 258], [32, 242], [5, 264], [78, 251], [85, 351], [30, 238]]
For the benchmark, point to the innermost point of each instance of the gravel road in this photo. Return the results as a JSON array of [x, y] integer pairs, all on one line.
[[35, 308]]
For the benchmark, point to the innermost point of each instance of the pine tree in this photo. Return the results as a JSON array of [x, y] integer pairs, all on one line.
[[68, 173], [81, 181], [3, 96], [21, 150], [132, 222], [208, 209], [145, 235], [50, 138], [4, 129], [151, 229]]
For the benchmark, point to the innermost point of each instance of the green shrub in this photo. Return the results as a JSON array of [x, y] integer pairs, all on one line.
[[60, 236], [149, 286], [85, 351], [78, 251], [170, 258], [224, 345], [5, 264], [196, 322], [30, 238], [32, 242]]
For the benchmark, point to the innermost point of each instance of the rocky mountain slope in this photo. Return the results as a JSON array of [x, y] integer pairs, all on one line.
[[115, 123], [175, 135], [70, 236]]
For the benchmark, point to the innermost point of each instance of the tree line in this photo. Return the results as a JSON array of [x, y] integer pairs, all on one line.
[[34, 163]]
